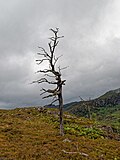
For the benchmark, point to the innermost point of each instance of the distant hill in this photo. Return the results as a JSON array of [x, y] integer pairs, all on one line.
[[111, 93], [109, 98], [69, 105], [105, 108]]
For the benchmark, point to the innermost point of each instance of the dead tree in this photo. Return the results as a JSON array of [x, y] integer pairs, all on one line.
[[52, 72], [87, 105]]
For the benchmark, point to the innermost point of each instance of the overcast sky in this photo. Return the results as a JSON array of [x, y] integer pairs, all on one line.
[[90, 47]]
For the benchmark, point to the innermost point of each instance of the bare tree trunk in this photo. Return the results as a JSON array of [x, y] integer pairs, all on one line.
[[89, 109], [89, 112], [61, 111]]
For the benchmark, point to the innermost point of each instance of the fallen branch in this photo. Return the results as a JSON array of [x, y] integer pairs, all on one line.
[[83, 154]]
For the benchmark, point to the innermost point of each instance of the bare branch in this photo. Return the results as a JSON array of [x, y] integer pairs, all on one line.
[[60, 69], [64, 68], [50, 90], [50, 47], [49, 75], [44, 91], [56, 43], [44, 71], [42, 80], [50, 95], [55, 31], [52, 39], [41, 54], [54, 92], [81, 99], [54, 101], [48, 71], [45, 52], [42, 60], [56, 59], [60, 37], [63, 82]]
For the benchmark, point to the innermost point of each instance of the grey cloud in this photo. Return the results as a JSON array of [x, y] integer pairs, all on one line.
[[92, 57], [100, 73]]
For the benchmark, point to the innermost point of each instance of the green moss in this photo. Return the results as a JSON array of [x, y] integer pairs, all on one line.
[[92, 132]]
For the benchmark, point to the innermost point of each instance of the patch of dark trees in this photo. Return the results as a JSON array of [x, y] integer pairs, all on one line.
[[109, 101]]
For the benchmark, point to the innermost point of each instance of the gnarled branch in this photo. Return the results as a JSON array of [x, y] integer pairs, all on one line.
[[45, 53], [44, 80]]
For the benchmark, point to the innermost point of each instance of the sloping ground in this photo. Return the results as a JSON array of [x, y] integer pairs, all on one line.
[[29, 134], [107, 115]]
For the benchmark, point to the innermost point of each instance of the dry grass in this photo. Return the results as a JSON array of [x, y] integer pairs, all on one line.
[[27, 134]]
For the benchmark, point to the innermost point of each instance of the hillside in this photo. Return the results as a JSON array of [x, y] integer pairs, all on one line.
[[105, 109], [33, 134]]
